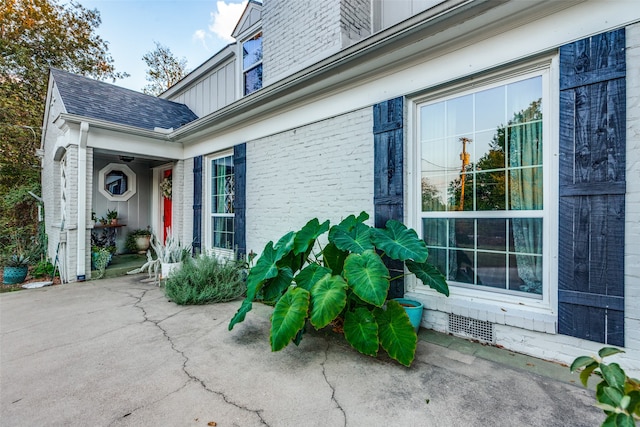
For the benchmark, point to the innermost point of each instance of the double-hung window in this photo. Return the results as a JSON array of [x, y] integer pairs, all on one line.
[[221, 190], [481, 185], [252, 64]]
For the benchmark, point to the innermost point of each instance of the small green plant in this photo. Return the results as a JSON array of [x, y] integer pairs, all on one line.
[[112, 214], [205, 280], [617, 394], [130, 243], [17, 260], [101, 260], [42, 268], [346, 280]]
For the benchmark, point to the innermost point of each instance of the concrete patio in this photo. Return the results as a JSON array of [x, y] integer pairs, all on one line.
[[116, 352]]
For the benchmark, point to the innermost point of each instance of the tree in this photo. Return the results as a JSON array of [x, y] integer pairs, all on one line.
[[164, 71], [34, 36]]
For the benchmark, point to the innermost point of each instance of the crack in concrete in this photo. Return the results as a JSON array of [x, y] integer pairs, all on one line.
[[137, 304], [333, 390]]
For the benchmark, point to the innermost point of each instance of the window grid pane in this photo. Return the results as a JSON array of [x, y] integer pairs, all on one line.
[[482, 152], [222, 198]]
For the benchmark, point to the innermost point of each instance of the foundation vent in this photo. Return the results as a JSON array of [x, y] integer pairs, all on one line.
[[471, 328]]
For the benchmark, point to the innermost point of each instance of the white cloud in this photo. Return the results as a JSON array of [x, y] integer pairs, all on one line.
[[201, 36], [225, 18]]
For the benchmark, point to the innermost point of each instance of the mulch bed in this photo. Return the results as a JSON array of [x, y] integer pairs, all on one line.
[[29, 279]]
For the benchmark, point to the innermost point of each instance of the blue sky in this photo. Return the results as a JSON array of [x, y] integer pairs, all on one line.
[[192, 29]]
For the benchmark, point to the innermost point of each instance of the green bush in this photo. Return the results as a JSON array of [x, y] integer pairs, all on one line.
[[617, 394], [206, 280], [42, 268]]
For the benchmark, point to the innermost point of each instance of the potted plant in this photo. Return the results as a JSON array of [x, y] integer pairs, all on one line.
[[169, 257], [15, 269], [139, 240], [112, 216]]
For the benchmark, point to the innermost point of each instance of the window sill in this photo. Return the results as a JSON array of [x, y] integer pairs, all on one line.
[[533, 315]]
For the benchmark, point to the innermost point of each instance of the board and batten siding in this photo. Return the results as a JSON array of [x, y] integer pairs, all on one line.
[[592, 188], [212, 92]]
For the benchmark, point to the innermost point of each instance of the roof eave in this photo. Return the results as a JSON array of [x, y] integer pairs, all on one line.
[[116, 127]]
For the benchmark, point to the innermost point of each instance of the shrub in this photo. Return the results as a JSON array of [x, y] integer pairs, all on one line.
[[205, 280], [42, 268], [617, 394]]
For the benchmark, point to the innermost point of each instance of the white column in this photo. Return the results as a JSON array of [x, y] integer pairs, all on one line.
[[82, 201]]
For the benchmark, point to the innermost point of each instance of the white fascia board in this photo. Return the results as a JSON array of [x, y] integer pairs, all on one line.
[[126, 139], [217, 60], [103, 124], [136, 145]]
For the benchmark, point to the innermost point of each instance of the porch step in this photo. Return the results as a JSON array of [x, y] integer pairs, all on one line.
[[122, 263]]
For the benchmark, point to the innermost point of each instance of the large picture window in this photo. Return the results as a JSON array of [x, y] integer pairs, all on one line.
[[222, 190], [481, 186]]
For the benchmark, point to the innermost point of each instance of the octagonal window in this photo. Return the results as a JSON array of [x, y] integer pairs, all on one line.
[[117, 182]]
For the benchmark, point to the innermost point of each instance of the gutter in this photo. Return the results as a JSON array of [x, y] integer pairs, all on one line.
[[116, 127]]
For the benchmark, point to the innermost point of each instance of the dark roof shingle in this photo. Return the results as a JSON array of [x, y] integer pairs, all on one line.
[[91, 98]]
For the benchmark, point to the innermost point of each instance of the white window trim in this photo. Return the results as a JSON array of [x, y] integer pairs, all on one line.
[[241, 69], [131, 182], [208, 244], [512, 308]]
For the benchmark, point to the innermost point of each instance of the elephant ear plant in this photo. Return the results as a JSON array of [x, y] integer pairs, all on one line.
[[346, 279]]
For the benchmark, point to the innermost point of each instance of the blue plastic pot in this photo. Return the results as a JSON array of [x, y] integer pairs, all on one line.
[[413, 309]]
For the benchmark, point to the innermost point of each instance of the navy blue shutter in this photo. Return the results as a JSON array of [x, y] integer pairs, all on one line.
[[388, 135], [592, 188], [197, 205], [239, 200]]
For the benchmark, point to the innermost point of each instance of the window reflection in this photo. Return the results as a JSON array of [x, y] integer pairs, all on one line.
[[115, 182], [482, 152]]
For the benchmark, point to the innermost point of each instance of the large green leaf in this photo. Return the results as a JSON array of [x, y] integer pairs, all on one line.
[[356, 240], [264, 269], [397, 335], [580, 362], [288, 317], [367, 275], [609, 351], [308, 234], [361, 331], [400, 242], [349, 222], [246, 306], [273, 288], [329, 296], [614, 375], [429, 275], [309, 275], [284, 245], [334, 258]]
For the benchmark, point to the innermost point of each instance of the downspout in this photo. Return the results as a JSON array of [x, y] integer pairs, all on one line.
[[82, 201]]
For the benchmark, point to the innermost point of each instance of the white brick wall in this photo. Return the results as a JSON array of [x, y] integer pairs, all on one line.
[[355, 20], [322, 170], [297, 34], [632, 226]]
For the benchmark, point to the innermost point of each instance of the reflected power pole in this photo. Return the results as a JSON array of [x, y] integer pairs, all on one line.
[[465, 157]]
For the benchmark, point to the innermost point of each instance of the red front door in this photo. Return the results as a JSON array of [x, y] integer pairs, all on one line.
[[166, 209]]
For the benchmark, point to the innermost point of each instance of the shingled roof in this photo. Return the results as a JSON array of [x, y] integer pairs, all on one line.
[[87, 97]]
